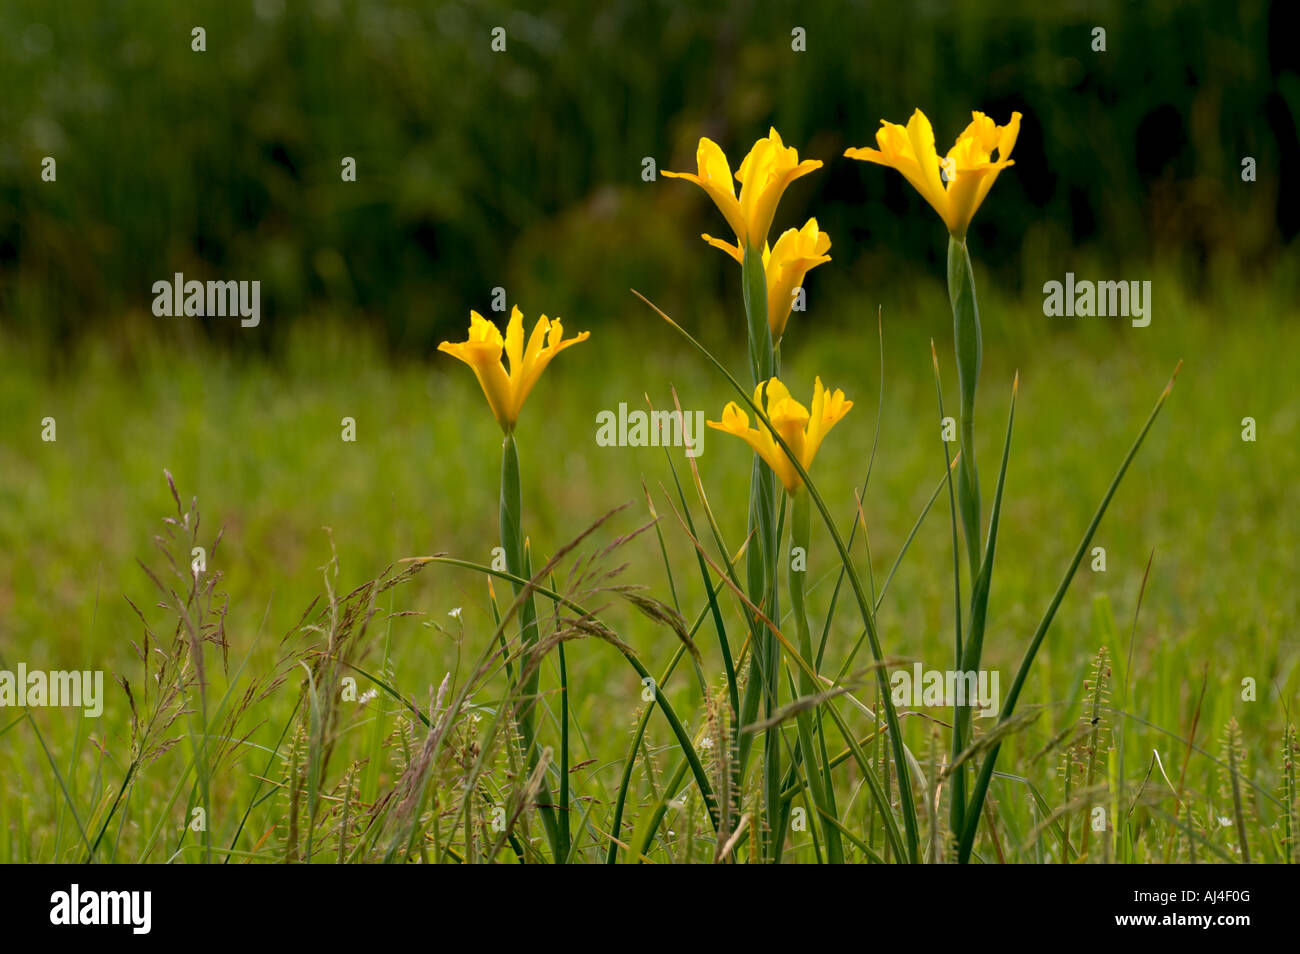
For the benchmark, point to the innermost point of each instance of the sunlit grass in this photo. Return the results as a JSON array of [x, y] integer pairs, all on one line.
[[259, 444]]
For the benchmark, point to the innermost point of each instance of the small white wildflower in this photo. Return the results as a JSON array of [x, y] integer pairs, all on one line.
[[706, 743], [368, 695], [455, 613], [1225, 821]]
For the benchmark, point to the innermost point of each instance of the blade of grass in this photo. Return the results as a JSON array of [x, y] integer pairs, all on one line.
[[967, 840]]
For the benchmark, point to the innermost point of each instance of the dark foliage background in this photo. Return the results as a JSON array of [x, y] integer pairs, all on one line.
[[523, 169]]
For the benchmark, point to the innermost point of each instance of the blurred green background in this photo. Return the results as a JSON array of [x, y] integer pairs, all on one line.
[[522, 168]]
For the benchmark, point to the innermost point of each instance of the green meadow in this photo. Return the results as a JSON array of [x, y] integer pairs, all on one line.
[[1181, 733]]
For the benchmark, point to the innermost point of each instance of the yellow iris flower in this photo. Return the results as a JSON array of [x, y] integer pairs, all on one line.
[[956, 185], [796, 252], [801, 429], [763, 176], [507, 391]]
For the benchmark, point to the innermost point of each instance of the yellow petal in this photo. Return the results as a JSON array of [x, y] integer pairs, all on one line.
[[790, 420], [867, 154], [764, 175], [515, 340], [760, 220], [1007, 137], [828, 409], [896, 151], [796, 252], [713, 167], [774, 390], [736, 422], [921, 137], [732, 250], [537, 340], [555, 343], [482, 352], [981, 130], [964, 194], [714, 177]]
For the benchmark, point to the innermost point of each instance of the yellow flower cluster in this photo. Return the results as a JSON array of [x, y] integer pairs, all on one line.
[[763, 175], [955, 186]]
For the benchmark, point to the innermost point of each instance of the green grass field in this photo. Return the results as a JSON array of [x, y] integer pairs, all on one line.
[[258, 442]]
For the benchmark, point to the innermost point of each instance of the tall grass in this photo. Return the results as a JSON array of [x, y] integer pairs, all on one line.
[[291, 763]]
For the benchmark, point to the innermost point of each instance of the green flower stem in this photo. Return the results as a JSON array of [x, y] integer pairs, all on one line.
[[969, 350], [762, 354], [822, 794], [512, 542], [760, 558]]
